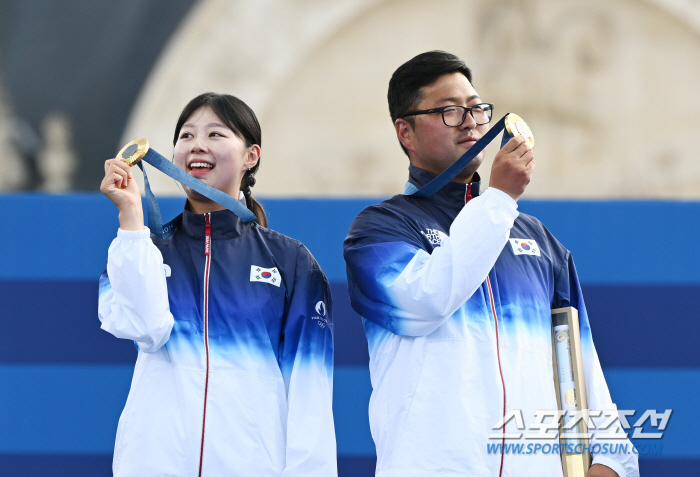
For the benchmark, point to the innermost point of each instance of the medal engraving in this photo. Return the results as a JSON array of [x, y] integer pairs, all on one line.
[[134, 151], [517, 127]]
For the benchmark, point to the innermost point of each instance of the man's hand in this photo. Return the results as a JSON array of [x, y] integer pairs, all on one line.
[[600, 470], [512, 168], [121, 188]]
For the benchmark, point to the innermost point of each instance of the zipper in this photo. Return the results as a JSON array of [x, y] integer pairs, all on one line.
[[207, 265], [468, 194], [500, 370]]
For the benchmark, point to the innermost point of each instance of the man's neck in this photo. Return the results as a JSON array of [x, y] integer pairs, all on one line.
[[463, 177], [464, 180]]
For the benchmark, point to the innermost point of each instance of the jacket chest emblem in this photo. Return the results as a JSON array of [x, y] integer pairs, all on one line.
[[265, 275], [434, 236], [524, 247]]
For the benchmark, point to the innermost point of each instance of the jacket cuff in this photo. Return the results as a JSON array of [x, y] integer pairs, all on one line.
[[608, 462], [134, 234], [500, 196]]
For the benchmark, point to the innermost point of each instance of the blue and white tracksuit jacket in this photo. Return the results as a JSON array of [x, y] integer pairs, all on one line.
[[235, 364], [459, 332]]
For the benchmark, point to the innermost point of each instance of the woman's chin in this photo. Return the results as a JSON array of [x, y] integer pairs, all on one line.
[[194, 197], [198, 202]]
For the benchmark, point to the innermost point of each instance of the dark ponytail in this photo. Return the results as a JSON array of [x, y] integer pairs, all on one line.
[[240, 119], [256, 207]]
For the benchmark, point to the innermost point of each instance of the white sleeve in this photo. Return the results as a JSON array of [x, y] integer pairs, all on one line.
[[624, 463], [433, 286], [133, 302]]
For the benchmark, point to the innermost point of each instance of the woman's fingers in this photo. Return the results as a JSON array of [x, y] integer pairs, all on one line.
[[124, 193], [119, 180], [120, 177], [112, 180], [121, 169]]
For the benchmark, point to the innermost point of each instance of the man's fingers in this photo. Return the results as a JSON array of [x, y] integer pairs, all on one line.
[[513, 144], [531, 166], [522, 150], [517, 148]]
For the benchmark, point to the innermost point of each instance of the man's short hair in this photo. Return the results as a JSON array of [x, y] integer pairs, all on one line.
[[406, 82]]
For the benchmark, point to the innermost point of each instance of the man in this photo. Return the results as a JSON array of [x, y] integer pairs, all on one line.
[[457, 317]]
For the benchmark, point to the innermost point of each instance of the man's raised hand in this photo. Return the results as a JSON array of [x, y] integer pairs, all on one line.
[[512, 168]]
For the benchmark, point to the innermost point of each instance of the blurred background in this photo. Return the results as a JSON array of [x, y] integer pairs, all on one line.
[[607, 86]]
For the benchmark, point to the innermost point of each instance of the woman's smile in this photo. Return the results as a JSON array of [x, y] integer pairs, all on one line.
[[199, 168]]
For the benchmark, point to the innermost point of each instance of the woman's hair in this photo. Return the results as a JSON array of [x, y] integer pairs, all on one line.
[[240, 119]]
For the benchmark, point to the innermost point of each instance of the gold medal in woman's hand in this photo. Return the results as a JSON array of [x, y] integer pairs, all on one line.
[[134, 151]]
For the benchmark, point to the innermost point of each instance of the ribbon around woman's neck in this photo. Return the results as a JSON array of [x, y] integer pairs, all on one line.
[[511, 125], [139, 151]]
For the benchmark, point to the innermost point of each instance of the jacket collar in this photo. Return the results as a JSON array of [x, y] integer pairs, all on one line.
[[224, 225], [454, 193]]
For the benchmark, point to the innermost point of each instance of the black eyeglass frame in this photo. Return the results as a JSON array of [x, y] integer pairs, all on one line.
[[442, 109]]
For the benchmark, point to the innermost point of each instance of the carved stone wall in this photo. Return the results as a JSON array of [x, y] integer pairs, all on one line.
[[608, 87], [14, 169]]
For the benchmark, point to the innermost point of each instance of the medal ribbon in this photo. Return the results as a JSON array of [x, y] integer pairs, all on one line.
[[448, 174], [155, 221]]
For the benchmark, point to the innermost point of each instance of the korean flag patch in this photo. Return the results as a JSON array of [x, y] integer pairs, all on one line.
[[265, 275], [524, 247]]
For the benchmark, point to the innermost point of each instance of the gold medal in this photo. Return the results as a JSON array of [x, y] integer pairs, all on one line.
[[134, 151], [517, 127]]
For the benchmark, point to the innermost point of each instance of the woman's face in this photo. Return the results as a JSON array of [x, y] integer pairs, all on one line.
[[209, 151]]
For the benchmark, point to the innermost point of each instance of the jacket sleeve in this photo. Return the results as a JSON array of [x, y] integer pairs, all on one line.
[[568, 293], [396, 284], [133, 300], [306, 362]]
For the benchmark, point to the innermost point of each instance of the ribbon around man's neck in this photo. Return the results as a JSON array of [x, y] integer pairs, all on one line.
[[511, 125]]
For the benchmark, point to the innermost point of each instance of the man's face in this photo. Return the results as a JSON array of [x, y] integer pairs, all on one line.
[[433, 146]]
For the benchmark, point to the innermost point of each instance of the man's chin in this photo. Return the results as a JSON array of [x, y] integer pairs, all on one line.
[[468, 172]]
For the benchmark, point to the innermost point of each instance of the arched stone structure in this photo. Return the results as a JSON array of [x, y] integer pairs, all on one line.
[[607, 86]]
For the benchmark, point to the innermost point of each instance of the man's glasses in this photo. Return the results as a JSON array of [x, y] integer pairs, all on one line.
[[454, 115]]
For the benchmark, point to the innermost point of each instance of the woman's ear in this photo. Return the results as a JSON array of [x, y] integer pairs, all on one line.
[[253, 156]]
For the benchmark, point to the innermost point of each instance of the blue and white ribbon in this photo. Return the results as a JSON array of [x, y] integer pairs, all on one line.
[[155, 222], [451, 172]]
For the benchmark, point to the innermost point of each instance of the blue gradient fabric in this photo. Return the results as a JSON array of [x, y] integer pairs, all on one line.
[[235, 364], [458, 322]]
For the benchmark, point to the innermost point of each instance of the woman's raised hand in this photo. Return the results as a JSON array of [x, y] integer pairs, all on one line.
[[121, 188]]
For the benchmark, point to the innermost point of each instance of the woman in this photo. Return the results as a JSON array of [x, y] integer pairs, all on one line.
[[231, 321]]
